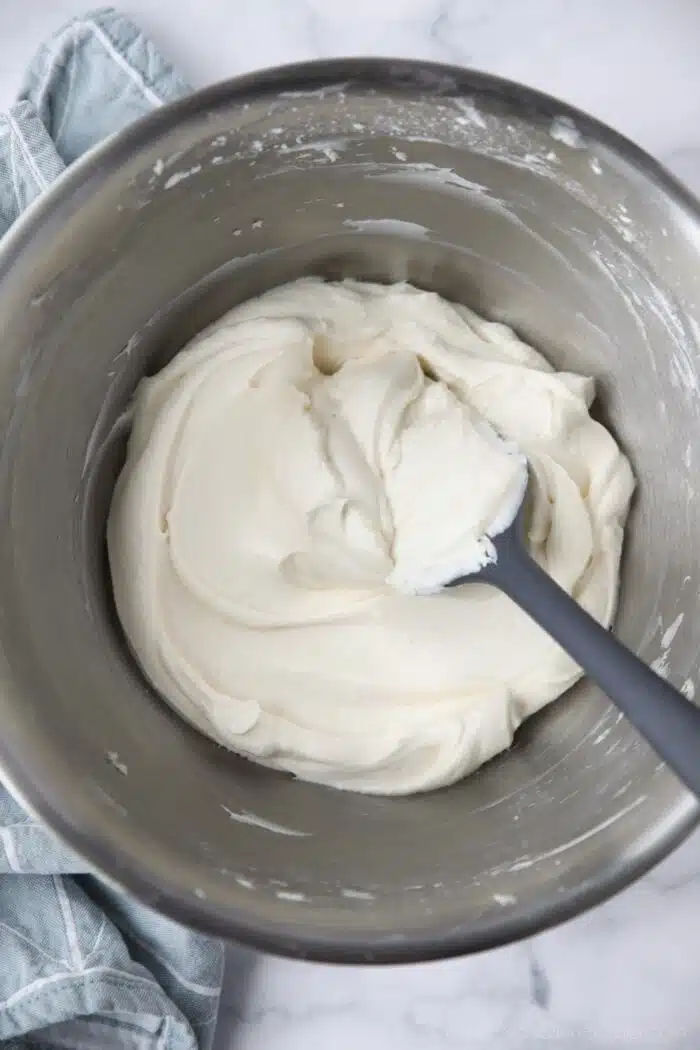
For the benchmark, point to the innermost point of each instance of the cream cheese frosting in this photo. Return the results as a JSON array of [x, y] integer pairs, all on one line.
[[305, 466]]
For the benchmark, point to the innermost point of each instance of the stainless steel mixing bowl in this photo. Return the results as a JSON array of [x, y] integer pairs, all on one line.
[[488, 193]]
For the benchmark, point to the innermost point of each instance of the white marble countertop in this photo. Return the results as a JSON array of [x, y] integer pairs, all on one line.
[[627, 974]]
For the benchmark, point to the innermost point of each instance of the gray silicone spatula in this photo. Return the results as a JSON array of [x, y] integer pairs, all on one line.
[[669, 721]]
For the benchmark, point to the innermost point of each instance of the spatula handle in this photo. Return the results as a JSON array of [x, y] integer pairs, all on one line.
[[668, 720]]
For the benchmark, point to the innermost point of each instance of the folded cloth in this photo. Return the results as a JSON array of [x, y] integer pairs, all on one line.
[[82, 965]]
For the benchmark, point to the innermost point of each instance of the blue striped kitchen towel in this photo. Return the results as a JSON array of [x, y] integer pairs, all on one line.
[[83, 966]]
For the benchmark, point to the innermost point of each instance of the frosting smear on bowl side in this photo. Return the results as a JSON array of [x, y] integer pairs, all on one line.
[[301, 474]]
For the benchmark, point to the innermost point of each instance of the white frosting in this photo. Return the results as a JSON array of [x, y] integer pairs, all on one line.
[[292, 472]]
